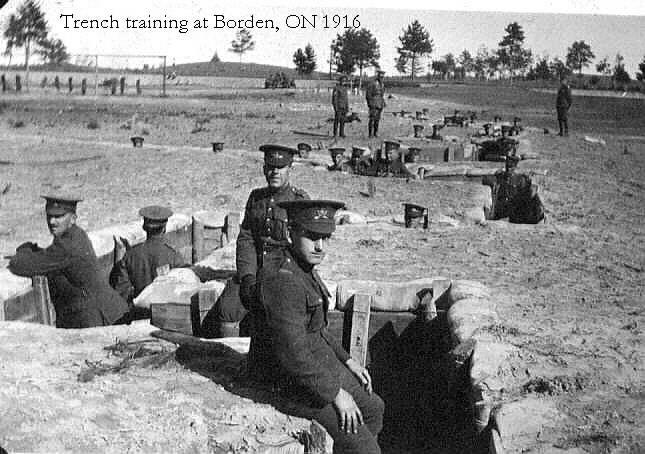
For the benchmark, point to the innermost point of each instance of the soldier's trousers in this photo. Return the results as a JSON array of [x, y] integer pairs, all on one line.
[[374, 118], [563, 120], [227, 310], [339, 120], [372, 408]]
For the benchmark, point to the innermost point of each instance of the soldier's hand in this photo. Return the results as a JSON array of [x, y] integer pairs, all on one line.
[[247, 290], [349, 415], [361, 373]]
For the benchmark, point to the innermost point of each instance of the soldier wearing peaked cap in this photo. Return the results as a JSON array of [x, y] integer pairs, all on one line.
[[341, 104], [374, 95], [263, 231], [290, 344], [82, 297], [142, 263]]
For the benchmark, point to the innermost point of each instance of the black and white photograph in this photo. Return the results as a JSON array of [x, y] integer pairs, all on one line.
[[345, 227]]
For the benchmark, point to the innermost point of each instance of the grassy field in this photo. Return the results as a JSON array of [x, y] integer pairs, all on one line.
[[569, 293]]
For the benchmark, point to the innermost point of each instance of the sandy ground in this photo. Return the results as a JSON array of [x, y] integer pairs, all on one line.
[[570, 292]]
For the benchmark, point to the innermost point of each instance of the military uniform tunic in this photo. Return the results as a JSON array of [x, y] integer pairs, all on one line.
[[292, 348], [264, 227], [340, 103], [563, 101], [374, 93], [138, 268], [81, 297], [263, 230]]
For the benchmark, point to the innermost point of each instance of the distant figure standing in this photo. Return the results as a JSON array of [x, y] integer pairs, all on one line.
[[341, 104], [375, 102], [562, 105]]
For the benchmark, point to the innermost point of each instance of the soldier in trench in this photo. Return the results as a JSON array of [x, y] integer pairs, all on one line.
[[81, 297]]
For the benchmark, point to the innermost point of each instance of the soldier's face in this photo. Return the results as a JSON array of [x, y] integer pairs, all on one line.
[[58, 225], [276, 176], [309, 246]]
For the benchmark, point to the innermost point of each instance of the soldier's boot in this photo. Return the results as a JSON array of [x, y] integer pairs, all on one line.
[[229, 329], [370, 127], [561, 127], [376, 120], [566, 127], [342, 129], [335, 126]]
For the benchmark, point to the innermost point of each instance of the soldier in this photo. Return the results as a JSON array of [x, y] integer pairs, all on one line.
[[375, 102], [562, 105], [341, 105], [81, 296], [263, 230], [291, 347], [141, 264]]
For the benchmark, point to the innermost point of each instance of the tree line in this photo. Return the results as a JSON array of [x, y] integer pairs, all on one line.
[[357, 50]]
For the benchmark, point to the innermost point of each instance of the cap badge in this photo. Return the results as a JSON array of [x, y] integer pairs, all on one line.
[[321, 213]]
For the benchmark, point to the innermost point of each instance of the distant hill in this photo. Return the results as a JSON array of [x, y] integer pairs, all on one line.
[[234, 69], [220, 69]]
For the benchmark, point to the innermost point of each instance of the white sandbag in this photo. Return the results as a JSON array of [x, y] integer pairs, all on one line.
[[349, 217], [176, 286], [387, 296], [462, 289]]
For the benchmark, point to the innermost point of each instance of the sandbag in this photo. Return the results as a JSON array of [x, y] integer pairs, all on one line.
[[387, 296], [178, 286], [348, 217], [468, 315], [461, 289]]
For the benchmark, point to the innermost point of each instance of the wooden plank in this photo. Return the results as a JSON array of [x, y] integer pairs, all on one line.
[[43, 302], [382, 325], [359, 336], [22, 307], [232, 226], [182, 240], [198, 240], [172, 317]]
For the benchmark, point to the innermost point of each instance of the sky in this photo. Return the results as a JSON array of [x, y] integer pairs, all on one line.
[[609, 26]]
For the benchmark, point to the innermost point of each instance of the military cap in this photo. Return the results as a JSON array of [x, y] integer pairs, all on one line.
[[278, 155], [358, 152], [342, 77], [335, 151], [380, 71], [413, 210], [314, 215], [155, 215], [57, 205]]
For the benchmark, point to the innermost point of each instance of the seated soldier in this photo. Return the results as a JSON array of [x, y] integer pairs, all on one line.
[[290, 344], [142, 263], [81, 297]]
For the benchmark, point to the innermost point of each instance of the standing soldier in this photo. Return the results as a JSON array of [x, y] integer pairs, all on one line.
[[562, 105], [263, 230], [141, 264], [341, 105], [82, 298], [375, 102], [291, 347]]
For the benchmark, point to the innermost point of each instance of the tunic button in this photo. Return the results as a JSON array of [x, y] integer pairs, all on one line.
[[320, 300]]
